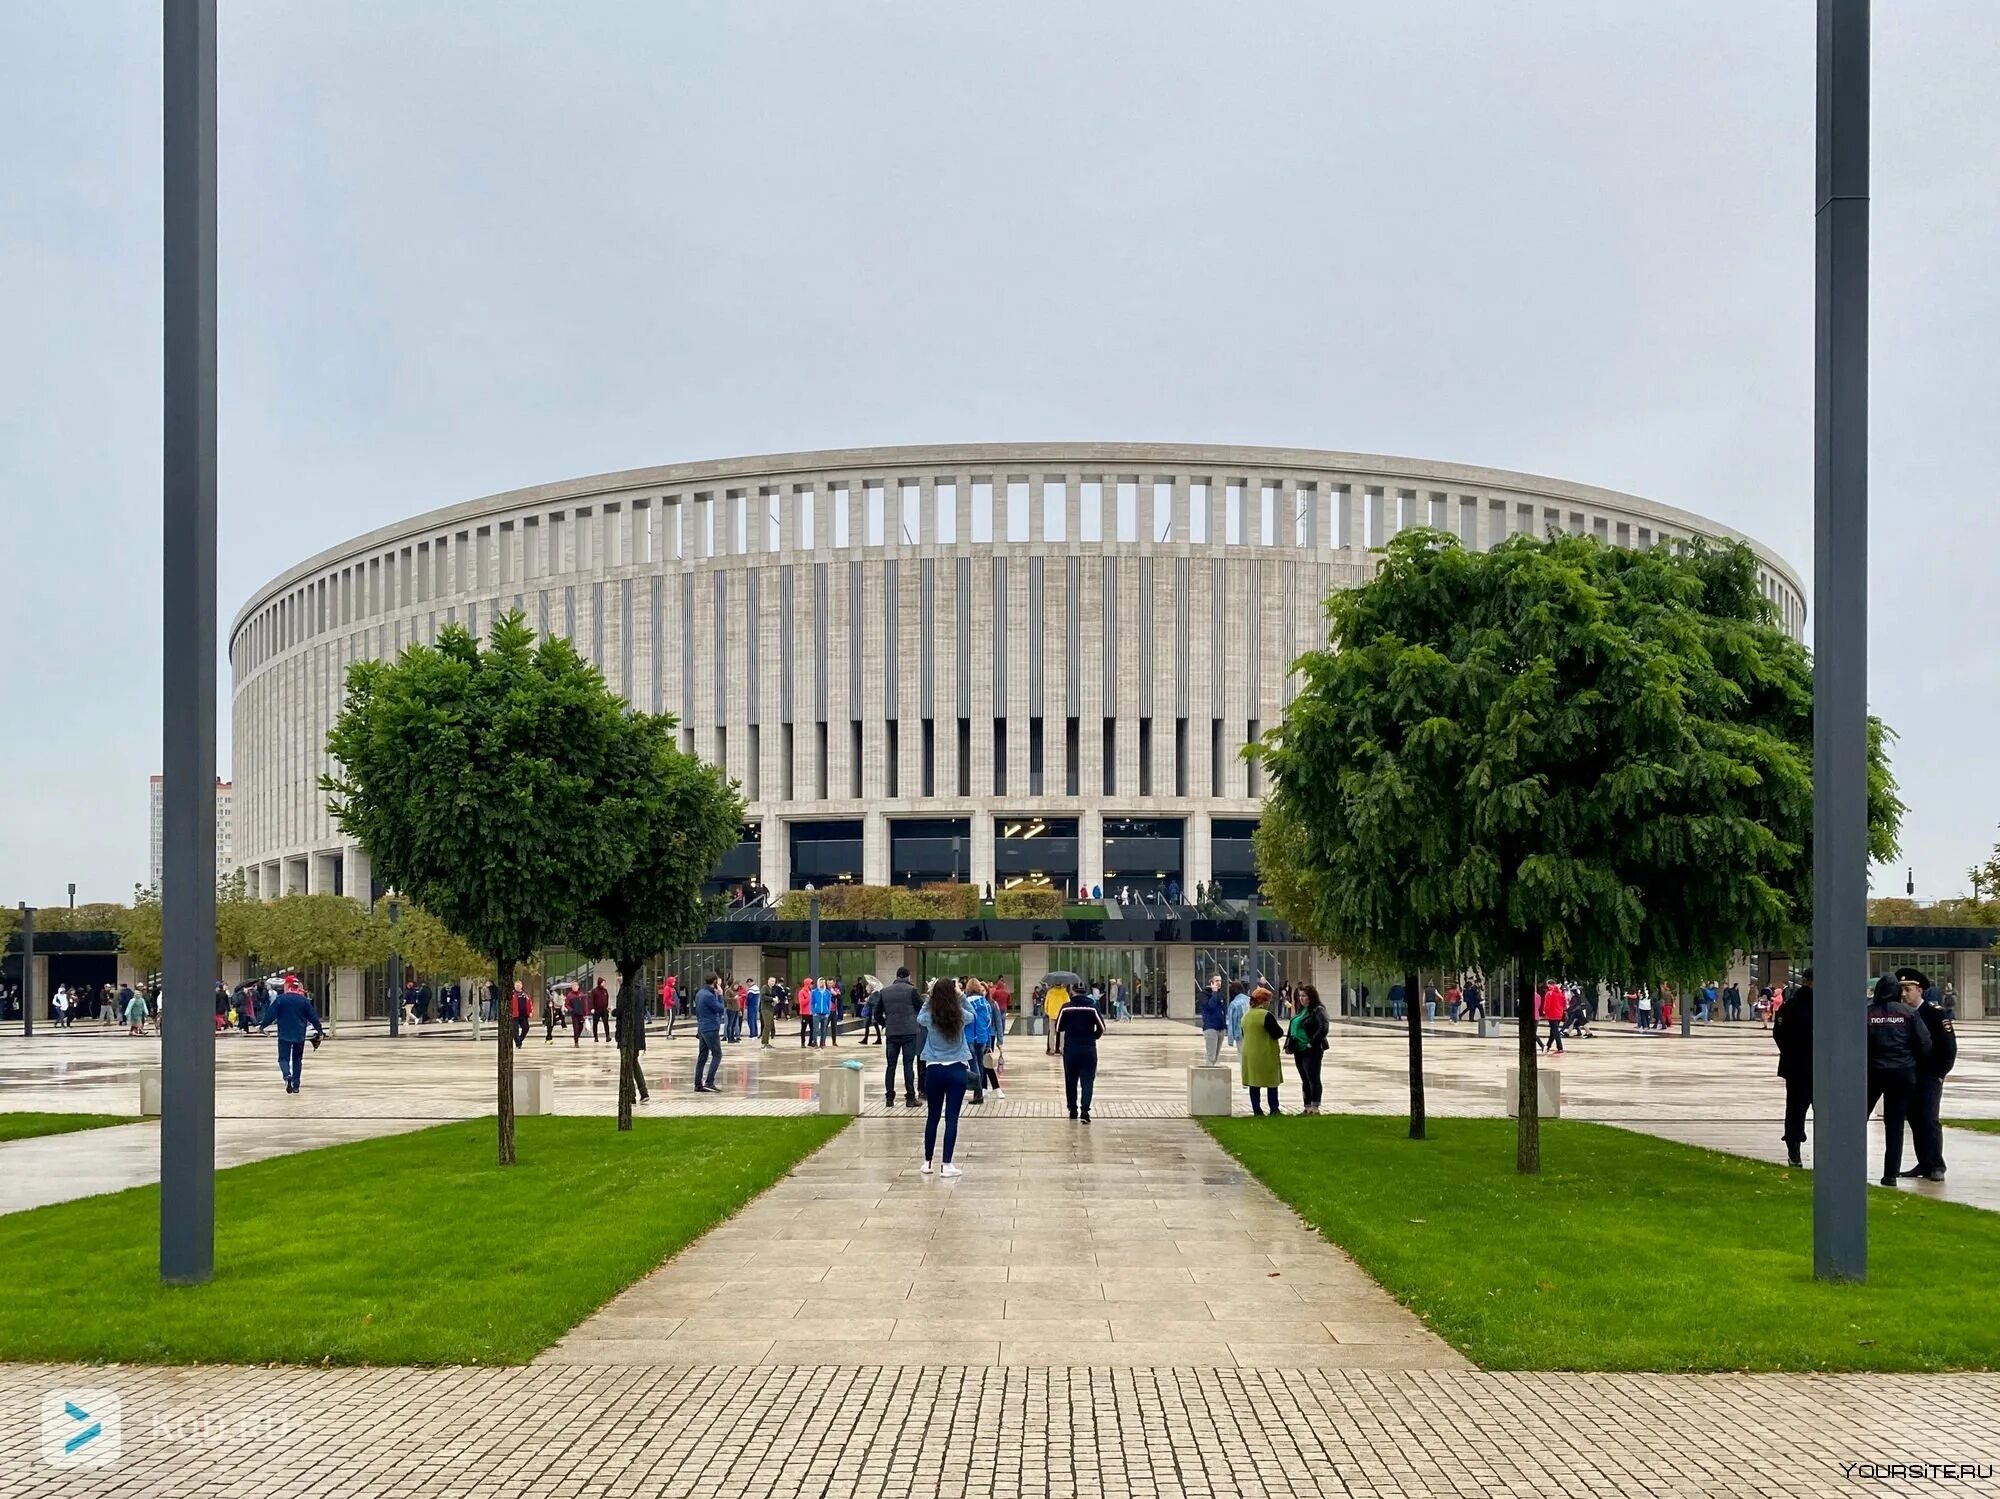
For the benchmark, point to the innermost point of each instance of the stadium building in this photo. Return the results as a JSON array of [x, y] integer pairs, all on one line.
[[1009, 664]]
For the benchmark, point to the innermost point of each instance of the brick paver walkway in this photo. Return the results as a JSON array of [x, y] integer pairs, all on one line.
[[1000, 1433], [1114, 1243]]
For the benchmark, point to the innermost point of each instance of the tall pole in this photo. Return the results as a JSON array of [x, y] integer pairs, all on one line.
[[1840, 646], [27, 969], [395, 979], [1251, 976], [187, 592], [812, 917]]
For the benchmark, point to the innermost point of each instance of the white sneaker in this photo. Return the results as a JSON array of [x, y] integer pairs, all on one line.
[[950, 1170], [998, 1094], [926, 1168]]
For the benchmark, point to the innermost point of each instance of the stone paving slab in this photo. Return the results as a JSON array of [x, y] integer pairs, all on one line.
[[1142, 1242], [907, 1430]]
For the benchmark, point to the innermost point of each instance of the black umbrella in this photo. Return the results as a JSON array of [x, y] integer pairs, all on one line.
[[1070, 981]]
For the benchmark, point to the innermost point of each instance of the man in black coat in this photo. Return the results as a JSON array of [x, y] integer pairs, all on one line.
[[1793, 1031], [1928, 1095], [1898, 1042]]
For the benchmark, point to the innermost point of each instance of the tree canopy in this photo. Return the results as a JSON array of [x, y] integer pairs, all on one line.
[[1557, 755], [480, 780], [687, 816]]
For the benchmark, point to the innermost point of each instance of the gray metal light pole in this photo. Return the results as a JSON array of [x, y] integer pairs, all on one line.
[[395, 979], [27, 969], [1251, 976], [812, 919], [1840, 646], [187, 593]]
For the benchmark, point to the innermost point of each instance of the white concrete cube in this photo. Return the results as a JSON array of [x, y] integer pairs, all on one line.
[[1548, 1092], [1489, 1025], [840, 1090], [149, 1092], [534, 1090], [1210, 1090]]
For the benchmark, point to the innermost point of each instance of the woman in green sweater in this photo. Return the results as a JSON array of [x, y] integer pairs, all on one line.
[[1263, 1067]]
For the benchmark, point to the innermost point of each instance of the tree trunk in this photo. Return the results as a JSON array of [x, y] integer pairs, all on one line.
[[1415, 1012], [629, 1023], [1528, 1100], [506, 1098]]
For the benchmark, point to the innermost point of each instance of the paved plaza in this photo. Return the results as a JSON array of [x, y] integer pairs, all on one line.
[[1124, 1242], [1717, 1087], [1116, 1311]]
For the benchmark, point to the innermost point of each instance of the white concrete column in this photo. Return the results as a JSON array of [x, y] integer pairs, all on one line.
[[1090, 847], [1180, 981], [1969, 978], [359, 875], [1034, 965], [774, 856], [744, 962], [346, 1002], [982, 867], [1197, 847], [890, 956], [875, 848]]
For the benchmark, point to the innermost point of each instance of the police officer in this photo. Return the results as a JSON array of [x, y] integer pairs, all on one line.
[[1793, 1031], [1897, 1043], [1925, 1131]]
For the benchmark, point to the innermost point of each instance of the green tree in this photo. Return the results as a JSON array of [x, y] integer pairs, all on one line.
[[476, 778], [431, 948], [140, 935], [1558, 757], [317, 931], [687, 815]]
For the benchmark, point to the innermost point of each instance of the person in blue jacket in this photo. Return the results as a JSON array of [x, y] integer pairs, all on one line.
[[978, 1033], [292, 1012], [709, 1011], [1239, 1006], [1214, 1012]]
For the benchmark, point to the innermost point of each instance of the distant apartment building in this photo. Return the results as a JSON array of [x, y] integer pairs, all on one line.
[[225, 828]]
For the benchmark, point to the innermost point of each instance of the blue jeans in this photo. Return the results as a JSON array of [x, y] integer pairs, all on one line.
[[906, 1046], [1257, 1108], [944, 1092], [291, 1057], [708, 1054]]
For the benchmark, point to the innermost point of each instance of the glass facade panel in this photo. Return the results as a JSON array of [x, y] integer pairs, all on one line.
[[1132, 980]]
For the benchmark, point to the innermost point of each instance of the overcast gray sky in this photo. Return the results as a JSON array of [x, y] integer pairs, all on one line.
[[466, 247]]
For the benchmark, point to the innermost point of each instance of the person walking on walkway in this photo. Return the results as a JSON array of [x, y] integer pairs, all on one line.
[[902, 1036], [670, 1002], [978, 1034], [1214, 1012], [1928, 1097], [822, 1009], [292, 1012], [1054, 997], [804, 1006], [135, 1013], [1551, 1009], [1078, 1025], [579, 1010], [600, 1013], [519, 1012], [1306, 1038], [709, 1011], [767, 1024], [947, 1058], [1897, 1045], [1262, 1066], [638, 1024], [1793, 1031]]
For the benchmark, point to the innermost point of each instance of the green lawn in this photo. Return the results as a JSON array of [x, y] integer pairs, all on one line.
[[1984, 1126], [28, 1126], [1627, 1252], [415, 1249]]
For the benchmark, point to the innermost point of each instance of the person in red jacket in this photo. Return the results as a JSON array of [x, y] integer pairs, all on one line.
[[600, 1012], [1551, 1008]]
